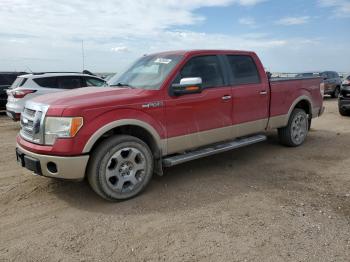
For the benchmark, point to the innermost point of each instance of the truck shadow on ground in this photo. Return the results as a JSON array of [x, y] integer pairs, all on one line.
[[264, 167]]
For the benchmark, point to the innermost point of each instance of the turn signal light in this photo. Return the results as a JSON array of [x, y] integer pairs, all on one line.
[[77, 123], [192, 88]]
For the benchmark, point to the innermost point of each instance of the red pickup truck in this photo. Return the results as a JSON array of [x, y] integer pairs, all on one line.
[[166, 109]]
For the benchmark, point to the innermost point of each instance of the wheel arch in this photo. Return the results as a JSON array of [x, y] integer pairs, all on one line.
[[302, 102], [133, 127]]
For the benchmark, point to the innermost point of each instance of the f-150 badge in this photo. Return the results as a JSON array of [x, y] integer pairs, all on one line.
[[153, 104]]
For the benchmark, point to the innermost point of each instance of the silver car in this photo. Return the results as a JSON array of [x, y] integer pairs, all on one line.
[[29, 86]]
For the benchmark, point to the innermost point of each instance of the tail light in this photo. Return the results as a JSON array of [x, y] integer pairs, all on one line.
[[22, 93], [346, 83], [322, 89]]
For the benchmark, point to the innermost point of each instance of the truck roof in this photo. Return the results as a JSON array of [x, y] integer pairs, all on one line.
[[199, 51]]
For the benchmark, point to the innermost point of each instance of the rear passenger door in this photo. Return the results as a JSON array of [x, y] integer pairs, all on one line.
[[250, 95], [194, 120]]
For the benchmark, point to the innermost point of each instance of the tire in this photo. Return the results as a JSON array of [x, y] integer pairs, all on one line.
[[344, 112], [294, 134], [120, 167], [336, 92]]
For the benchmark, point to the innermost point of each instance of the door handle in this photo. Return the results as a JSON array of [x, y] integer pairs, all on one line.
[[264, 92], [225, 98]]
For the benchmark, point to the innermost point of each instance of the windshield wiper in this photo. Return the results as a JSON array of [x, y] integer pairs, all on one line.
[[120, 84]]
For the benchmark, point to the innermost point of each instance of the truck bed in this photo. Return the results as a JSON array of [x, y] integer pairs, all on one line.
[[286, 90]]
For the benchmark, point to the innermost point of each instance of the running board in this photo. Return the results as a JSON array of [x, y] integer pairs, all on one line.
[[212, 150]]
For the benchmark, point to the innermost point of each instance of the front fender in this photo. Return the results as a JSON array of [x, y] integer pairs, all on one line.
[[96, 126]]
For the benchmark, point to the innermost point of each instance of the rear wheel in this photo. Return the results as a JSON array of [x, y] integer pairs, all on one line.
[[294, 134], [120, 167]]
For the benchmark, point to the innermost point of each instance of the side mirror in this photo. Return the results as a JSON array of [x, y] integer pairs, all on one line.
[[189, 85]]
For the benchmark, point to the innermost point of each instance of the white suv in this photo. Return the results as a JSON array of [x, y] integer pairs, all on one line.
[[28, 86]]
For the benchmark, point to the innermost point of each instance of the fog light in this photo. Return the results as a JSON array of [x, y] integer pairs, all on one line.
[[52, 167]]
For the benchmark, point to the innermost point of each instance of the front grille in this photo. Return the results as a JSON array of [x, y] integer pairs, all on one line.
[[31, 123]]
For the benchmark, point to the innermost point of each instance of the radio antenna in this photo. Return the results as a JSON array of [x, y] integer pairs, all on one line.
[[83, 54]]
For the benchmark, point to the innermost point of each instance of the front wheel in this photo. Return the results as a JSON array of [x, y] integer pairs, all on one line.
[[120, 167], [294, 134]]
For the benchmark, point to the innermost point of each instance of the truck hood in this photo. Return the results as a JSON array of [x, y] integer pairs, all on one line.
[[89, 96]]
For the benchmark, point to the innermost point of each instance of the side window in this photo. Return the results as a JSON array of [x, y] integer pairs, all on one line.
[[48, 82], [206, 67], [69, 82], [243, 69], [90, 81]]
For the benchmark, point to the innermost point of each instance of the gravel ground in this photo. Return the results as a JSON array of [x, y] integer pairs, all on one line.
[[265, 202]]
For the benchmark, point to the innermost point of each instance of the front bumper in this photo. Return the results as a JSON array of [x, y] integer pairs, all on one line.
[[70, 167], [328, 91]]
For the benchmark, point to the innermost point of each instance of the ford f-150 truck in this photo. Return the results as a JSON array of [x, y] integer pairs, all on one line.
[[166, 109]]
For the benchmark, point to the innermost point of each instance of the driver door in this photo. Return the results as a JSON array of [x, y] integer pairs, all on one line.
[[194, 120]]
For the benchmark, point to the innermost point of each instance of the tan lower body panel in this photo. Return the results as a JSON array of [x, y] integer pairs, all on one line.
[[278, 121], [186, 142], [282, 120], [72, 167]]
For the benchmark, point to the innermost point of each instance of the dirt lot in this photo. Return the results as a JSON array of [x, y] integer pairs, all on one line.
[[260, 203]]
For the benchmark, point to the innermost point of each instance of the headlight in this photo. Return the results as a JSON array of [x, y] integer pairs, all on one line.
[[61, 127]]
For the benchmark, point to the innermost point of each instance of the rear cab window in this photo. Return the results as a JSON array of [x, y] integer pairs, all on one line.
[[206, 67], [243, 69]]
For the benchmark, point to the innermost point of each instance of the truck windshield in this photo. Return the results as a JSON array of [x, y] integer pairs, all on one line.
[[148, 72]]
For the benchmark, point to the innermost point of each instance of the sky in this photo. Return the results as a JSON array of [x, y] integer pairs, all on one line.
[[288, 36]]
